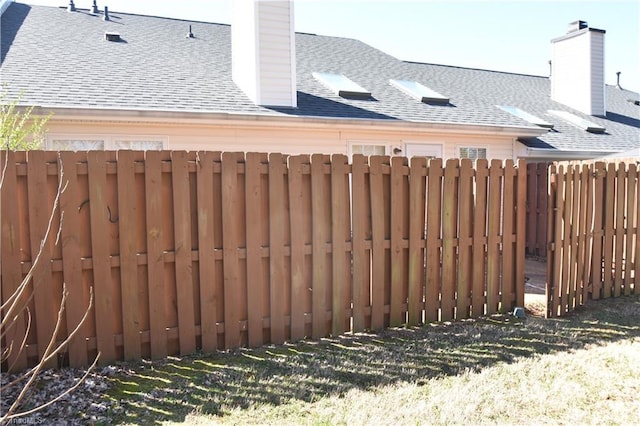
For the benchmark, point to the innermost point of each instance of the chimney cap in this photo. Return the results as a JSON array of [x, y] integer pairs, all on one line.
[[577, 26]]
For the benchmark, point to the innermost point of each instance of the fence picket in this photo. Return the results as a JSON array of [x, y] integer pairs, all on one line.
[[341, 282], [277, 284], [101, 260], [493, 237], [255, 221], [206, 249], [449, 239], [417, 222], [434, 226], [597, 196], [12, 228], [297, 211], [155, 261], [619, 233], [183, 267], [609, 230], [319, 246], [77, 299], [508, 291], [521, 203], [230, 250], [361, 233], [629, 224], [397, 251], [465, 240], [378, 240], [127, 225], [478, 285]]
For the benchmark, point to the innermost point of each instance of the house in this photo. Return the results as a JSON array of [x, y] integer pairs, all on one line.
[[124, 81]]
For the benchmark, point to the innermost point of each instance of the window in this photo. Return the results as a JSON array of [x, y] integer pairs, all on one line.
[[75, 144], [341, 85], [526, 116], [419, 92], [93, 143], [473, 153], [579, 122]]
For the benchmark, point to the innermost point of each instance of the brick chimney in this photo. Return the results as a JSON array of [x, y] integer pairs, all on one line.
[[577, 69], [263, 51]]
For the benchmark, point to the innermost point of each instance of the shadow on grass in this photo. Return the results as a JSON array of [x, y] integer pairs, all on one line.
[[213, 384]]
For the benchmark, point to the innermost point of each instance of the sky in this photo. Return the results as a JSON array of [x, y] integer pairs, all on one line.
[[512, 36]]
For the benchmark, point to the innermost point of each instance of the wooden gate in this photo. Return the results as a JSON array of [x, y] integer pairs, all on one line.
[[593, 232]]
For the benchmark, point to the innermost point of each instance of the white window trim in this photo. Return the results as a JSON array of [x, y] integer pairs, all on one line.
[[109, 140]]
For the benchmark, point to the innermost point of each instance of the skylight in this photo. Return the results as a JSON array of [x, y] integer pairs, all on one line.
[[526, 116], [419, 92], [578, 122], [341, 85]]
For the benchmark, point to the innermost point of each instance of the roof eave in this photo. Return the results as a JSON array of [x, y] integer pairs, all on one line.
[[556, 154], [199, 117]]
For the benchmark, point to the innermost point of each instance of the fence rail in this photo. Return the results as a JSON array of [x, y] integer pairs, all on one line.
[[206, 250], [593, 232]]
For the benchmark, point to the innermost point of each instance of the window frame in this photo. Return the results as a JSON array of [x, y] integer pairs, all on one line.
[[460, 147], [109, 141]]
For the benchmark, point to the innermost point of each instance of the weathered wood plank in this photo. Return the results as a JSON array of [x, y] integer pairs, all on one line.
[[361, 256], [609, 229], [449, 239], [521, 202], [378, 240], [12, 227], [127, 225], [100, 256], [434, 226], [417, 223], [277, 283], [493, 237], [155, 261], [230, 250], [478, 285], [207, 213], [340, 214], [618, 259], [319, 251], [465, 206], [299, 287], [398, 257], [182, 235]]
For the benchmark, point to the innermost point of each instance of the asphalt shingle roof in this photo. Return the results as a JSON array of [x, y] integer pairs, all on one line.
[[59, 59]]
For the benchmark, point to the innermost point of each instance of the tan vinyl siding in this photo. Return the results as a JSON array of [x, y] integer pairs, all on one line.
[[285, 139]]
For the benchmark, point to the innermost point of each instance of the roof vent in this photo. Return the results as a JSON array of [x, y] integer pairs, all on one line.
[[618, 80], [190, 33], [105, 17], [112, 36], [94, 8], [71, 7], [577, 26]]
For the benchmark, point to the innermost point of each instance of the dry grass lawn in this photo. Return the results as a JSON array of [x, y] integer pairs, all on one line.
[[583, 368]]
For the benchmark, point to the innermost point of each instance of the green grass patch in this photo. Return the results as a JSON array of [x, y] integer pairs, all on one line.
[[491, 370]]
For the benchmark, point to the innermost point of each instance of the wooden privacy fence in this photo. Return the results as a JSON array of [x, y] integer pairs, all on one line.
[[593, 232], [204, 250]]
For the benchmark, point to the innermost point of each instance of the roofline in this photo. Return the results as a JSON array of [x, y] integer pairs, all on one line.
[[474, 69], [198, 117], [556, 154]]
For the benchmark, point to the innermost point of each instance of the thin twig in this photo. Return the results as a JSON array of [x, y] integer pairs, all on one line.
[[62, 395]]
